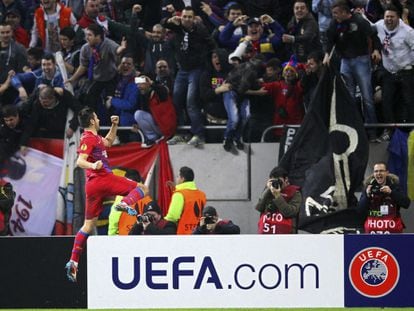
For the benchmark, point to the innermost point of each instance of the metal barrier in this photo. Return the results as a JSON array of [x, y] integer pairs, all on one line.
[[366, 125], [268, 129]]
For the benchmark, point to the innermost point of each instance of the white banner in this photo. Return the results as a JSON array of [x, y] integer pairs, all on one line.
[[35, 181], [215, 271]]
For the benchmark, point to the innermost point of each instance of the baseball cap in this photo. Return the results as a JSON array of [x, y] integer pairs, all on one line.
[[210, 211], [152, 207], [253, 20]]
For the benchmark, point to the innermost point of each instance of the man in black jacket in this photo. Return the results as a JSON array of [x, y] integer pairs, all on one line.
[[152, 222], [191, 45]]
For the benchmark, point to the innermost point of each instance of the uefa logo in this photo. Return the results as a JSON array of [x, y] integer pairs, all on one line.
[[374, 272]]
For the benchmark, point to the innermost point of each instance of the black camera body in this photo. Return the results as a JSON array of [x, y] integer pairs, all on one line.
[[209, 220], [147, 217], [277, 183], [376, 188]]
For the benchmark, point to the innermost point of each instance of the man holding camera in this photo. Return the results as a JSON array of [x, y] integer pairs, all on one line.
[[381, 202], [151, 222], [279, 204], [210, 223]]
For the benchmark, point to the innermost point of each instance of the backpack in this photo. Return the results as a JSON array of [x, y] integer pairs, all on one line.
[[164, 114]]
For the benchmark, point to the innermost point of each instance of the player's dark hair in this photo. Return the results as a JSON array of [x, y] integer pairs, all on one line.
[[187, 173], [85, 116]]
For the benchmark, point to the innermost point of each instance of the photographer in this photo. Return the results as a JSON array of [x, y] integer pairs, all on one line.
[[210, 223], [7, 196], [151, 222], [381, 202], [279, 204]]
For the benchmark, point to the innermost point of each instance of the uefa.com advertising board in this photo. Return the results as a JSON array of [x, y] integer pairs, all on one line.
[[257, 271]]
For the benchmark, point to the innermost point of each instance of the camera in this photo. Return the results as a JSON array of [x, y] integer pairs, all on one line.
[[139, 80], [376, 188], [145, 218], [277, 183], [209, 220]]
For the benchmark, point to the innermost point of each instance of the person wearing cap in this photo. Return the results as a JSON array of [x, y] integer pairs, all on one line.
[[279, 204], [264, 34], [20, 34], [187, 202], [210, 223], [151, 222]]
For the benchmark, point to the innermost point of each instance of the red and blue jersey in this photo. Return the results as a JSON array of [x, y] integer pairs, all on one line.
[[93, 146]]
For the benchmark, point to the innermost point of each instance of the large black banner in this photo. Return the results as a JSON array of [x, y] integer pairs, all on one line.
[[328, 157]]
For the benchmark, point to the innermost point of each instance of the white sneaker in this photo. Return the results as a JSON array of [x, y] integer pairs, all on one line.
[[196, 141], [177, 139]]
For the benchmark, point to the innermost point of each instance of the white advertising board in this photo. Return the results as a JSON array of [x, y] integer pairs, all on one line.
[[215, 271]]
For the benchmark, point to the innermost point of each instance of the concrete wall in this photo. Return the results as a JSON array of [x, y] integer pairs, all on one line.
[[234, 182]]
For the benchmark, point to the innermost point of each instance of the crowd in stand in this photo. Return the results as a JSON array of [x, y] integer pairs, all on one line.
[[247, 64]]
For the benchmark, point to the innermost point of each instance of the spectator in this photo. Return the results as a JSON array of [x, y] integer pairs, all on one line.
[[310, 80], [262, 107], [49, 113], [19, 33], [98, 59], [116, 31], [191, 45], [70, 51], [29, 82], [279, 204], [398, 73], [233, 29], [34, 59], [210, 223], [49, 19], [212, 86], [323, 9], [8, 5], [101, 182], [264, 34], [151, 222], [12, 57], [155, 48], [124, 102], [156, 114], [187, 202], [381, 201], [302, 35], [350, 34], [164, 76], [11, 129], [287, 96], [273, 71]]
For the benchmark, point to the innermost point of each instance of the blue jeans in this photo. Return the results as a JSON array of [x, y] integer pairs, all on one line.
[[187, 95], [147, 125], [357, 71], [237, 115]]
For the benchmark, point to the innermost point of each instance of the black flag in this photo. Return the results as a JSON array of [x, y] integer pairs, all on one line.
[[328, 157]]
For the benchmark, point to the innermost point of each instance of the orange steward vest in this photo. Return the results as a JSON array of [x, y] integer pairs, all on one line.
[[64, 20], [126, 221], [194, 201]]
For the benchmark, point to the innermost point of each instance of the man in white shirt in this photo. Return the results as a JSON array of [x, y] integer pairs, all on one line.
[[397, 54]]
